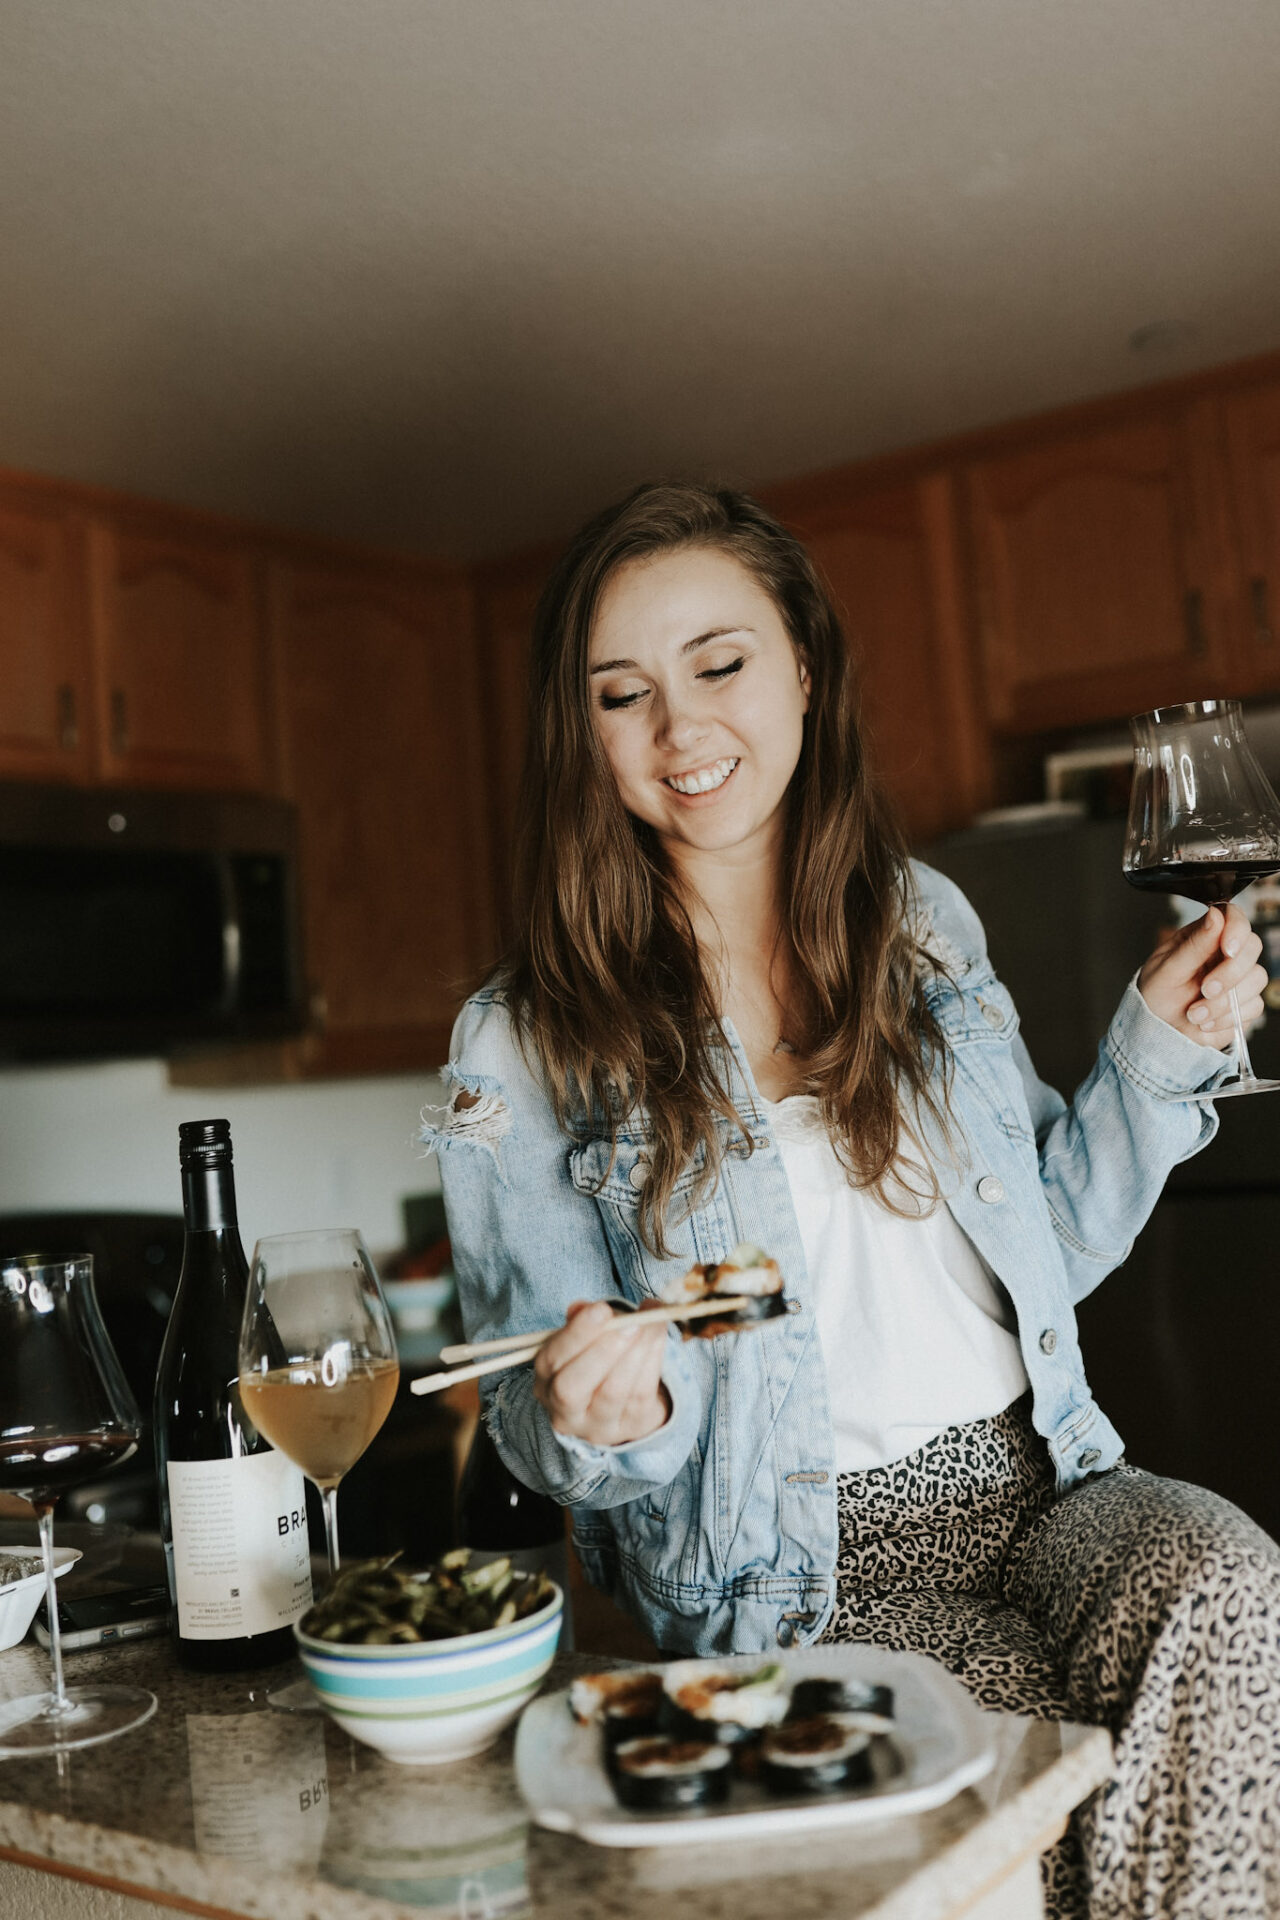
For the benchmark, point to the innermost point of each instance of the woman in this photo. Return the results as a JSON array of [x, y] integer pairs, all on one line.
[[735, 1010]]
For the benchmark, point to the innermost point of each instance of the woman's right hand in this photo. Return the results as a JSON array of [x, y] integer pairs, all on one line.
[[600, 1377]]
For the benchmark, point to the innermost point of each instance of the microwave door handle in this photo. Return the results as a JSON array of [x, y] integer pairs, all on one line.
[[232, 957]]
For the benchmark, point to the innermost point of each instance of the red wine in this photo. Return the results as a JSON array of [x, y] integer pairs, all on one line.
[[41, 1469], [1212, 882], [232, 1509]]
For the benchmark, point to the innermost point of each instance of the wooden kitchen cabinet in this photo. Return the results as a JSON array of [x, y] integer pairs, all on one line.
[[506, 595], [381, 750], [890, 554], [1251, 418], [1103, 567], [45, 679], [178, 655]]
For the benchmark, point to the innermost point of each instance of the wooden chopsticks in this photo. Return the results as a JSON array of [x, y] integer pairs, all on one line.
[[514, 1349]]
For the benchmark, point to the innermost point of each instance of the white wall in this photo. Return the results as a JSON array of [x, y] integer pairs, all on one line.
[[337, 1153]]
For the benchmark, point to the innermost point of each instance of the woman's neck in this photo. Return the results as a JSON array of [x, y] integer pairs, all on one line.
[[736, 910]]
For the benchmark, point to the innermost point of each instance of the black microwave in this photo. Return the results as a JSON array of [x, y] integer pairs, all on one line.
[[145, 922]]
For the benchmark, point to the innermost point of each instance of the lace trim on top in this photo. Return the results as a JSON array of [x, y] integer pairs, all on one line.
[[797, 1118]]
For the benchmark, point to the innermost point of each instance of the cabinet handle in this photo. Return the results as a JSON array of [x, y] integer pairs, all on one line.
[[119, 721], [68, 724], [1193, 614], [1263, 631]]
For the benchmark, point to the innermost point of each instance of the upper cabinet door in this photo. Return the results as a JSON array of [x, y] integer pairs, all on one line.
[[1102, 576], [1253, 445], [45, 688], [382, 754], [179, 657], [889, 555]]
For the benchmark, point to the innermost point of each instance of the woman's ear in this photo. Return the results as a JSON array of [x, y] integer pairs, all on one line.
[[806, 678]]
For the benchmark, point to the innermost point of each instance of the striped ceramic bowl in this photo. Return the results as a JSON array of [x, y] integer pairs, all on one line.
[[439, 1701]]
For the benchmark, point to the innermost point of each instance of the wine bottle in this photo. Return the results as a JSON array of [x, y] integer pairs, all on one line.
[[497, 1513], [232, 1508]]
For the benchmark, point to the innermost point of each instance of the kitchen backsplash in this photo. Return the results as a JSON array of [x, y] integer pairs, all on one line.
[[340, 1153]]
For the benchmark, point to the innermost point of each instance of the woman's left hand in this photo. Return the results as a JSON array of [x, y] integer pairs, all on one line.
[[1188, 978]]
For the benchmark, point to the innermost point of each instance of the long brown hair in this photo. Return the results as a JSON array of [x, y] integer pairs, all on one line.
[[604, 980]]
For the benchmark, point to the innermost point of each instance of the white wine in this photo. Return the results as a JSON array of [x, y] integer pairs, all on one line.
[[232, 1509], [323, 1425]]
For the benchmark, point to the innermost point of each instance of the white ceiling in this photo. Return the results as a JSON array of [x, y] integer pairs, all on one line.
[[446, 274]]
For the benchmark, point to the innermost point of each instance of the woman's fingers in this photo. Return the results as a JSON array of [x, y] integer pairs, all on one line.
[[1213, 1010], [627, 1393], [599, 1374], [1238, 953], [1188, 981]]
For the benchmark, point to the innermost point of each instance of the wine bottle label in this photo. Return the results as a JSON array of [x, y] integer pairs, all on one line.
[[241, 1555]]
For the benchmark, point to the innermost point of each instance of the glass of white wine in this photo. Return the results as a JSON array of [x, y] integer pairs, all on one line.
[[318, 1361]]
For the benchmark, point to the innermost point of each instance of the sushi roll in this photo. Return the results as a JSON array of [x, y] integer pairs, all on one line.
[[663, 1775], [633, 1716], [629, 1696], [704, 1702], [818, 1755], [745, 1274], [872, 1706]]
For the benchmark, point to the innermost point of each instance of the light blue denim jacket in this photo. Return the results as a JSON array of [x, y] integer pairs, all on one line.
[[719, 1530]]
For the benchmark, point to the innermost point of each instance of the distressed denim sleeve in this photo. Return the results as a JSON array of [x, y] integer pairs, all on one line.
[[1105, 1158], [526, 1244]]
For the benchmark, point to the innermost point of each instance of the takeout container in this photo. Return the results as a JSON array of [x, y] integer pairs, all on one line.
[[19, 1600], [437, 1701]]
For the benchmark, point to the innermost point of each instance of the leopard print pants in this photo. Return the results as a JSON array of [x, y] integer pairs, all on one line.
[[1131, 1602]]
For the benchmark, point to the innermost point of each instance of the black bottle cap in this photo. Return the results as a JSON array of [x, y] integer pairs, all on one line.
[[204, 1143]]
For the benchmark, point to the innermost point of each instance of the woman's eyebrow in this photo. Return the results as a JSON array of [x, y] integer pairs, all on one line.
[[699, 640]]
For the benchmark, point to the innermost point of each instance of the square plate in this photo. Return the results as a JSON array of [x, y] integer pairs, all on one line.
[[943, 1742]]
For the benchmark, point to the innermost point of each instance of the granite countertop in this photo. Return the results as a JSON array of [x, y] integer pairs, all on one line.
[[223, 1802]]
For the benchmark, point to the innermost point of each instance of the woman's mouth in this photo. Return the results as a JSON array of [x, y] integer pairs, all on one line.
[[700, 779]]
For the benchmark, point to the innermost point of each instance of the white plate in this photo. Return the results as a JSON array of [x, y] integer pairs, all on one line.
[[943, 1743]]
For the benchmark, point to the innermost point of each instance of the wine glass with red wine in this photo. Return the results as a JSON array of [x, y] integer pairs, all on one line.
[[65, 1414], [1204, 823], [318, 1361]]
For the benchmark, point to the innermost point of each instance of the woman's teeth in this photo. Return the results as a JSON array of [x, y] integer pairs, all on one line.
[[703, 781]]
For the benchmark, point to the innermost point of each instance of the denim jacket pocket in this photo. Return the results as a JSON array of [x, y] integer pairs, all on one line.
[[979, 1024], [615, 1180]]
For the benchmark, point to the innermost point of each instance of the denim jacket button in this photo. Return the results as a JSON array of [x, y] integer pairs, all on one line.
[[1090, 1457], [991, 1189], [1048, 1340], [992, 1015], [638, 1174]]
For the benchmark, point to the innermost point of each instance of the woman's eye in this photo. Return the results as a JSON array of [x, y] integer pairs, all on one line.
[[722, 673], [612, 701]]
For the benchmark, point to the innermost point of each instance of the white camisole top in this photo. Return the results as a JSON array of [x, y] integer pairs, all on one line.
[[917, 1333]]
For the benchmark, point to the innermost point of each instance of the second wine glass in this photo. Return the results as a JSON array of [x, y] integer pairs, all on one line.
[[1204, 823], [318, 1361]]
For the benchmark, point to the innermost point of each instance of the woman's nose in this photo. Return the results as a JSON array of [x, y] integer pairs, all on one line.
[[679, 724]]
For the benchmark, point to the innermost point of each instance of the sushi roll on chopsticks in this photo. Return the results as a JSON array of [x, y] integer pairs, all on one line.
[[817, 1755], [702, 1701], [745, 1272], [664, 1775]]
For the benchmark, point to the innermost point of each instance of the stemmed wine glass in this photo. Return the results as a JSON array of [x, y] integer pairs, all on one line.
[[66, 1412], [318, 1361], [1204, 823]]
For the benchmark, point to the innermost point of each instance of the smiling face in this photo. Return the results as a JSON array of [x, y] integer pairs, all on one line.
[[698, 697]]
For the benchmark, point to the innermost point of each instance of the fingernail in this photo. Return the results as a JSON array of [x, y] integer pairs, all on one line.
[[1212, 986], [1198, 1015], [1231, 946]]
